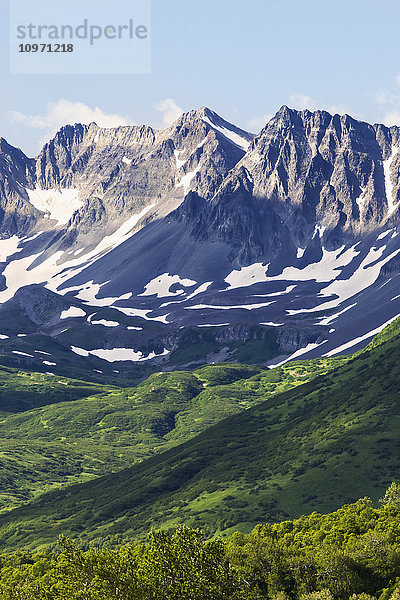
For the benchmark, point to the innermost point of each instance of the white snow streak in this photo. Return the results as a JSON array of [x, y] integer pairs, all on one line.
[[328, 320], [73, 311], [118, 354], [105, 323], [216, 307], [361, 338], [237, 139], [387, 165], [300, 352], [202, 288], [213, 325], [273, 294]]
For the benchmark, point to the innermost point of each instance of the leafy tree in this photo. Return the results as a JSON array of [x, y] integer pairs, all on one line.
[[392, 496]]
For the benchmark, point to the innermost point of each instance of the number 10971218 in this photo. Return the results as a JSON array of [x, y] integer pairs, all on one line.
[[46, 48]]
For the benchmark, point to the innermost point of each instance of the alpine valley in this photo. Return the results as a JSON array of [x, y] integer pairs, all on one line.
[[197, 325]]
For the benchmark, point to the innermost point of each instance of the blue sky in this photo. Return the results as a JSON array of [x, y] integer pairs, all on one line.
[[242, 58]]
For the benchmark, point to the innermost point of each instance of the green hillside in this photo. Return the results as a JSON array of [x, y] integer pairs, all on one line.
[[22, 391], [313, 447], [75, 441]]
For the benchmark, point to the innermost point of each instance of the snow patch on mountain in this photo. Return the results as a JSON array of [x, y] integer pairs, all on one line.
[[387, 166], [105, 323], [245, 276], [384, 234], [9, 246], [59, 205], [213, 325], [18, 273], [322, 271], [118, 354], [361, 198], [142, 313], [186, 180], [366, 274], [220, 307], [89, 291], [73, 311], [234, 137], [160, 286], [179, 163], [202, 288], [287, 290]]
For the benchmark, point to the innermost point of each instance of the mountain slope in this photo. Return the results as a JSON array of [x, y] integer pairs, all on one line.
[[311, 448]]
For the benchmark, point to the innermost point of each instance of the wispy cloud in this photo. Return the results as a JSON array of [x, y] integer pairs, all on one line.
[[169, 110], [389, 106], [392, 117], [66, 112], [257, 123], [302, 101]]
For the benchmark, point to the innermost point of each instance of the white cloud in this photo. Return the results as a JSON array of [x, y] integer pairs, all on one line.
[[301, 102], [258, 123], [340, 109], [66, 112], [383, 97], [392, 118], [170, 111], [389, 106]]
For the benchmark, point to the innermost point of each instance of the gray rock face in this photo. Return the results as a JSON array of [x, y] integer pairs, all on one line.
[[304, 170], [16, 173], [118, 172]]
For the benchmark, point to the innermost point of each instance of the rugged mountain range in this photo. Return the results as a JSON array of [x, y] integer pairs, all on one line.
[[129, 248]]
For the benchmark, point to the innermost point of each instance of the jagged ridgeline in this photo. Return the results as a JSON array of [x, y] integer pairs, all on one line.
[[310, 448], [128, 250]]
